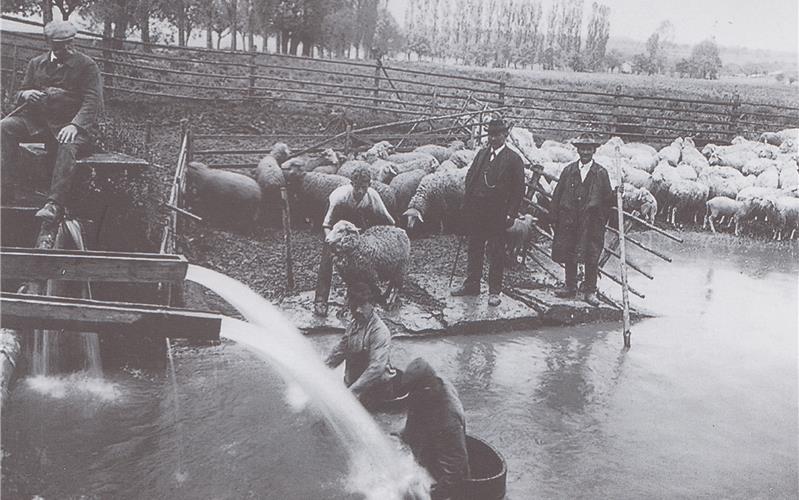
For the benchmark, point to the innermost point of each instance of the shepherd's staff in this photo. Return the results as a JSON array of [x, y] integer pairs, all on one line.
[[455, 262], [622, 250], [17, 109]]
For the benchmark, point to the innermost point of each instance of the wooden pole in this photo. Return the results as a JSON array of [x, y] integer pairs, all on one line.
[[623, 254], [287, 239], [377, 81]]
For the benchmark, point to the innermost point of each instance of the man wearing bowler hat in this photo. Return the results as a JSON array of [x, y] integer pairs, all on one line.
[[60, 98], [493, 193], [581, 204]]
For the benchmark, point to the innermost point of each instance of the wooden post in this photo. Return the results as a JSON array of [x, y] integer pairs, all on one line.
[[348, 139], [614, 127], [12, 83], [735, 104], [623, 254], [148, 140], [501, 93], [287, 239], [251, 87], [378, 64], [108, 67]]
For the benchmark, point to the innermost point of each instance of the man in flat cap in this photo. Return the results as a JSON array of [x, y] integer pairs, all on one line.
[[493, 195], [62, 95], [581, 204]]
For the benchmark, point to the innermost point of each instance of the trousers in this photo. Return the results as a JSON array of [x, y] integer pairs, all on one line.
[[476, 253], [589, 280], [63, 157]]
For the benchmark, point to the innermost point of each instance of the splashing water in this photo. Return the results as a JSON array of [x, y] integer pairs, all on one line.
[[377, 469], [73, 384]]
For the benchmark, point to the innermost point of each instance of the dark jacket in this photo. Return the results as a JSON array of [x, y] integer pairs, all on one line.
[[579, 212], [488, 211], [75, 93], [435, 428]]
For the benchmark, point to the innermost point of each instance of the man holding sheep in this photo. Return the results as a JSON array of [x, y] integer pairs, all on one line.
[[493, 194], [358, 203], [581, 204]]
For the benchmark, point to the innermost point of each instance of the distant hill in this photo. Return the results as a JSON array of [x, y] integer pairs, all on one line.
[[740, 56]]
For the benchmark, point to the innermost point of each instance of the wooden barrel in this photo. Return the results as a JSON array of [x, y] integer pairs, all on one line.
[[488, 471]]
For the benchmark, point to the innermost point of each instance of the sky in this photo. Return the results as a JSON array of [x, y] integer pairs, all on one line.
[[757, 24]]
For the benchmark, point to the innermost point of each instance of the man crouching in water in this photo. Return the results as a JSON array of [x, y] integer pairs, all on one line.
[[435, 429], [364, 349]]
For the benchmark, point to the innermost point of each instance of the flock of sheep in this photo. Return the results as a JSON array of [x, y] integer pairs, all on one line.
[[752, 185]]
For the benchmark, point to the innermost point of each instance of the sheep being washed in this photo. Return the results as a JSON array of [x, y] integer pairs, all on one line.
[[380, 253]]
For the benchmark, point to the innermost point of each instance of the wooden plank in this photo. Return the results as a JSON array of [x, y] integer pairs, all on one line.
[[75, 265], [96, 160], [27, 312]]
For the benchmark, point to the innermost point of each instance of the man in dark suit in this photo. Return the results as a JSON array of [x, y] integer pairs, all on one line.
[[493, 194], [581, 205], [62, 95]]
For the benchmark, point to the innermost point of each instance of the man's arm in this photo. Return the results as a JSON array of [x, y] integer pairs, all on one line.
[[516, 190], [332, 202], [92, 99], [451, 460], [380, 207], [27, 89], [338, 354], [378, 342]]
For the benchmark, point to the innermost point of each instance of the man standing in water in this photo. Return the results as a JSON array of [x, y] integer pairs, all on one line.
[[60, 100], [358, 203], [435, 429], [581, 204], [493, 195], [364, 349]]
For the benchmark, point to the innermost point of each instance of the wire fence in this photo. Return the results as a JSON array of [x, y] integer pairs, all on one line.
[[133, 69]]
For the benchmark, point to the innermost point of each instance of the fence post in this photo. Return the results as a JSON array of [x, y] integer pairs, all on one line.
[[348, 139], [614, 128], [12, 84], [501, 93], [251, 88], [287, 239], [378, 66], [108, 67], [735, 104], [148, 139]]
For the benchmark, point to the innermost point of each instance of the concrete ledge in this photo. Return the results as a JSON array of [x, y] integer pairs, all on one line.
[[427, 309]]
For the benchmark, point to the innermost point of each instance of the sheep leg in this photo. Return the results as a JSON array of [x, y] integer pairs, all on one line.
[[721, 220], [737, 227], [793, 233], [710, 219]]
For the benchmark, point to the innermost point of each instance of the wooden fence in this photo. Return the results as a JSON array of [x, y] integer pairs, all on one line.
[[207, 75]]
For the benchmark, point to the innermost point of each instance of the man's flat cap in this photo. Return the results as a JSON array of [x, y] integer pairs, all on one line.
[[60, 31]]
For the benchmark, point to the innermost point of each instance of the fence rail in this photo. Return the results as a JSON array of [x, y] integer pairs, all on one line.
[[207, 75]]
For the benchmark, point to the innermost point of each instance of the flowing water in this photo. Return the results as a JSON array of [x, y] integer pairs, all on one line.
[[704, 405]]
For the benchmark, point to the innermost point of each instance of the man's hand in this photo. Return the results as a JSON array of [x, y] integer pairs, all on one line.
[[34, 96], [67, 134]]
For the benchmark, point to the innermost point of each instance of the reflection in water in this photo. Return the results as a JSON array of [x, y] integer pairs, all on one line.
[[476, 361]]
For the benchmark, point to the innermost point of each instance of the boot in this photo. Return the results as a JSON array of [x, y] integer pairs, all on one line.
[[51, 212], [591, 298], [494, 300], [465, 289]]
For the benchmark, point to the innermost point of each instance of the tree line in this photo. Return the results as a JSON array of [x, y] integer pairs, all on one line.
[[498, 33]]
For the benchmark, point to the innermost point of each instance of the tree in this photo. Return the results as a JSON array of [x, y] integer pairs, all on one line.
[[613, 60], [705, 60], [598, 33]]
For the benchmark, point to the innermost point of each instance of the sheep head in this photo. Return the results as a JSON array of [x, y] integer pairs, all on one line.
[[330, 157], [414, 217], [280, 151], [341, 230]]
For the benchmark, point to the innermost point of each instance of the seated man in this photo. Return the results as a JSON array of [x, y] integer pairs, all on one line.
[[358, 203], [61, 98], [435, 429], [365, 349]]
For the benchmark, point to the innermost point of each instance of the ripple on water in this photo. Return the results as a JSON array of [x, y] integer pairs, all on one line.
[[74, 385]]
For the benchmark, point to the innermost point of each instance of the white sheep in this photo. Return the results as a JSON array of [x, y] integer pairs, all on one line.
[[672, 153], [662, 178], [641, 201], [770, 178], [789, 178], [692, 156], [380, 170], [518, 237], [721, 206], [313, 194], [686, 171], [463, 157], [559, 152], [381, 150], [387, 194], [380, 253], [438, 199], [307, 163], [413, 161], [688, 198], [440, 153], [757, 166]]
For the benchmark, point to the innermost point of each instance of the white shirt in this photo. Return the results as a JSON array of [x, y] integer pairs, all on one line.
[[584, 169], [495, 152], [342, 195]]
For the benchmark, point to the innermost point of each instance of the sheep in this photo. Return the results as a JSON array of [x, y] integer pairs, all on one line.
[[789, 146], [380, 253], [637, 155], [440, 153], [757, 166], [718, 185], [380, 170], [787, 215], [559, 152], [758, 203], [437, 200], [552, 170], [326, 169], [672, 153], [736, 158], [640, 200], [770, 178], [313, 195], [387, 194], [306, 163], [446, 165], [692, 156], [688, 197], [270, 179], [404, 186], [378, 151], [522, 142], [721, 206], [413, 161], [725, 172], [686, 171], [407, 157], [463, 157], [789, 178], [224, 198], [662, 178], [518, 237], [637, 177]]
